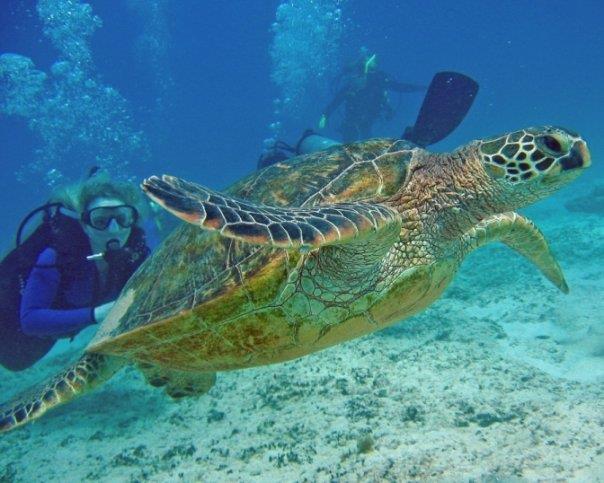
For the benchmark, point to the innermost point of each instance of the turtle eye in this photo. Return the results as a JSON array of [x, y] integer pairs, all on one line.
[[551, 143]]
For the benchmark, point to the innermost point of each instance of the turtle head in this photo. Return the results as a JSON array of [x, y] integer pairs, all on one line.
[[533, 163]]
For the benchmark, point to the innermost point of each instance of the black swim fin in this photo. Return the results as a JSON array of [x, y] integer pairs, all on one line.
[[449, 97]]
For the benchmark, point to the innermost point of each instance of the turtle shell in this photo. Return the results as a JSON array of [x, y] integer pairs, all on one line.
[[194, 267]]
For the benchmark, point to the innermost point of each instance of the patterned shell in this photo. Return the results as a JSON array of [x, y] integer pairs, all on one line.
[[194, 266]]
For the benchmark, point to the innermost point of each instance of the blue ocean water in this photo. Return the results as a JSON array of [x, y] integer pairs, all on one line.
[[197, 78], [196, 89]]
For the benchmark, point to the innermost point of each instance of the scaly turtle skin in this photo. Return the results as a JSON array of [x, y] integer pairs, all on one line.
[[300, 256]]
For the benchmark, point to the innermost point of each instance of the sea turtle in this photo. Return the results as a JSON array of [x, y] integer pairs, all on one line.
[[306, 254]]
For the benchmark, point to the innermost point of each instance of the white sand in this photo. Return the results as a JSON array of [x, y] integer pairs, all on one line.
[[501, 380]]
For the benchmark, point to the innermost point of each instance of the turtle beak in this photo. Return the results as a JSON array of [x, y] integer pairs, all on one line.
[[578, 157], [569, 166], [581, 146]]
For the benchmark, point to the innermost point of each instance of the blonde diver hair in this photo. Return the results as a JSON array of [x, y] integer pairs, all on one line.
[[77, 196]]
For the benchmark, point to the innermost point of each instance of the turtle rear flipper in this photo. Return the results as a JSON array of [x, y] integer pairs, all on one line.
[[521, 235], [178, 384], [87, 373], [279, 227]]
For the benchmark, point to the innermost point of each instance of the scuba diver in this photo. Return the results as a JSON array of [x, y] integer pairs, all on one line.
[[446, 103], [365, 98], [67, 274]]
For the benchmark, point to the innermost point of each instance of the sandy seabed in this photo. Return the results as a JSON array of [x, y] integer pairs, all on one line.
[[500, 380]]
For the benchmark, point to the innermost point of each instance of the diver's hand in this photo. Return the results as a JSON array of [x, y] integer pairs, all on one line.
[[323, 121], [102, 311]]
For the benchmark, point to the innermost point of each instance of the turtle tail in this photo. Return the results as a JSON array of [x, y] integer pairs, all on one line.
[[87, 373]]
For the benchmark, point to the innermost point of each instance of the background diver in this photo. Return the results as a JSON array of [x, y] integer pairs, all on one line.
[[446, 103], [364, 94]]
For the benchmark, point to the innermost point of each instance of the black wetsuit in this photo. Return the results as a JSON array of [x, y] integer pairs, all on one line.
[[61, 289], [59, 297]]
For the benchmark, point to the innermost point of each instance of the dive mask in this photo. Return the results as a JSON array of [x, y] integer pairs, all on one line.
[[100, 217]]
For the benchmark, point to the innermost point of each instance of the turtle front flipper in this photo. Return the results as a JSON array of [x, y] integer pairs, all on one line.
[[266, 225], [520, 234], [87, 373]]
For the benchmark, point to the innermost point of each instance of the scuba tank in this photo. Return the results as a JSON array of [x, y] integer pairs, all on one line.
[[309, 142]]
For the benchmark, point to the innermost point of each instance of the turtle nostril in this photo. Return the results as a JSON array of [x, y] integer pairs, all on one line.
[[577, 158]]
